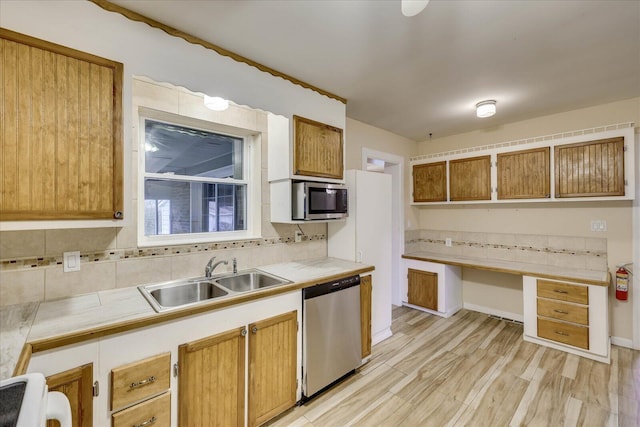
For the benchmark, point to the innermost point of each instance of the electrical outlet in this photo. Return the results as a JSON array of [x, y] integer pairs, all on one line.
[[71, 261], [598, 225], [447, 242], [298, 236]]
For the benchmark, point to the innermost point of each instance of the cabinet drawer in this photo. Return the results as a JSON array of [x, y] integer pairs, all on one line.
[[563, 311], [563, 291], [566, 333], [139, 380], [154, 412]]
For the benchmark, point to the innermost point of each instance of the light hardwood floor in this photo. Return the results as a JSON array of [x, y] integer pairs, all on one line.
[[475, 370]]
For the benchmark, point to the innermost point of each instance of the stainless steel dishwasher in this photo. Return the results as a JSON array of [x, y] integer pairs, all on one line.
[[331, 333]]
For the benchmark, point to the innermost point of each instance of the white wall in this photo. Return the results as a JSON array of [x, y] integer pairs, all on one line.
[[498, 291]]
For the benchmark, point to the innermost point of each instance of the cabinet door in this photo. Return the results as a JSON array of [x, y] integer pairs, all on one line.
[[423, 289], [524, 174], [211, 380], [470, 179], [366, 289], [272, 366], [317, 149], [60, 132], [590, 169], [430, 182], [77, 385]]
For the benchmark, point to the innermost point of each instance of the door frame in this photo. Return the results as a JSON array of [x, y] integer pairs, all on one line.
[[396, 170], [635, 291]]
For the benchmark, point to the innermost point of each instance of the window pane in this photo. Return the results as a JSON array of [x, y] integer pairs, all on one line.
[[181, 150], [182, 207]]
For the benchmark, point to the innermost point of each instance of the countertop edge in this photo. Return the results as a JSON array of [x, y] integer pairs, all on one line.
[[486, 265]]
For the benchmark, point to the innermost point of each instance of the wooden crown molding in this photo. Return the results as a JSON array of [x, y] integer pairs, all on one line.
[[134, 16]]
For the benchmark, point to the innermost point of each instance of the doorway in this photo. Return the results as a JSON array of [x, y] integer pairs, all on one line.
[[377, 161]]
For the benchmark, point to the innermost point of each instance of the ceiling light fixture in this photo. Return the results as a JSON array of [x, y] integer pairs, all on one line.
[[413, 7], [215, 103], [486, 108]]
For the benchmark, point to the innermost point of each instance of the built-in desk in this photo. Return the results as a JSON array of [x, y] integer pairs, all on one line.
[[564, 308]]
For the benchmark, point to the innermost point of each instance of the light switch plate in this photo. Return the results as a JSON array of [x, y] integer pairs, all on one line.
[[71, 261], [447, 241], [598, 225]]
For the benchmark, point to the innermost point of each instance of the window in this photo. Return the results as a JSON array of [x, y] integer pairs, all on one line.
[[196, 181]]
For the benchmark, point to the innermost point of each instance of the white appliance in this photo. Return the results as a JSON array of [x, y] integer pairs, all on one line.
[[25, 401], [366, 236]]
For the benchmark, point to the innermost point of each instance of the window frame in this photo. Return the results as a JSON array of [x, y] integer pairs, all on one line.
[[251, 171]]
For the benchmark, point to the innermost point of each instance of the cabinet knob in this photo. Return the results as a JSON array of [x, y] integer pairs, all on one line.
[[118, 215], [243, 332], [254, 329]]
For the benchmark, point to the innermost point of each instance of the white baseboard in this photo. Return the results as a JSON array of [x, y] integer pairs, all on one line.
[[494, 312], [381, 336], [622, 342]]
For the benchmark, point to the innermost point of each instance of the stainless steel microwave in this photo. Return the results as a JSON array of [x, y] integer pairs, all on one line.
[[317, 201]]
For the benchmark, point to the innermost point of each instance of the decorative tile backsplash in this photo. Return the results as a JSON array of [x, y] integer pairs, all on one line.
[[121, 254], [574, 252]]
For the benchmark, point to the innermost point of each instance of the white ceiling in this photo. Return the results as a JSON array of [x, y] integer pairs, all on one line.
[[424, 74]]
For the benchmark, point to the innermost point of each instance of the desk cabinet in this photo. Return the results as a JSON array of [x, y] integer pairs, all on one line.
[[567, 316], [432, 287]]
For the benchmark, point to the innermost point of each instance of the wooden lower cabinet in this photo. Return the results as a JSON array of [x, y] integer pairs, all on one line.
[[155, 412], [423, 289], [77, 385], [211, 380], [272, 367], [366, 289]]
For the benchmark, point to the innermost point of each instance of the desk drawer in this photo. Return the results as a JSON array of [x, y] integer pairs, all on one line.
[[154, 412], [563, 311], [563, 291], [566, 333], [139, 380]]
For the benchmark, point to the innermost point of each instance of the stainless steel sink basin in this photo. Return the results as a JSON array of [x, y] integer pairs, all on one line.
[[165, 296], [249, 280], [181, 293]]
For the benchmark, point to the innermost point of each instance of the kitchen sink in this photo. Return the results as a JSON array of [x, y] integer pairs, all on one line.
[[249, 280], [181, 293], [165, 296]]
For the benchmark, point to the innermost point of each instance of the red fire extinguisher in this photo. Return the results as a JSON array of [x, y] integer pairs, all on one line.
[[622, 284]]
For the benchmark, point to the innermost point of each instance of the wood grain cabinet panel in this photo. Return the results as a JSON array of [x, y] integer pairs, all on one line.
[[366, 289], [211, 380], [524, 174], [317, 149], [430, 182], [566, 333], [60, 132], [272, 367], [590, 169], [154, 412], [139, 380], [423, 289], [77, 385], [470, 179]]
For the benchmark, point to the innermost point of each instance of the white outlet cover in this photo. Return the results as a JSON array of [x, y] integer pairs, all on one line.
[[71, 261]]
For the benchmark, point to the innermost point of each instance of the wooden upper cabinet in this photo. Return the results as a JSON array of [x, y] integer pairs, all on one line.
[[430, 182], [60, 132], [470, 179], [524, 174], [590, 169], [317, 149]]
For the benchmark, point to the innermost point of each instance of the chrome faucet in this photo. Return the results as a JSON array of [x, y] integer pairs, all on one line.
[[235, 266], [208, 270]]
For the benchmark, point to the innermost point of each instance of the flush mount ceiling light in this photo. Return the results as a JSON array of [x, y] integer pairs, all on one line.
[[215, 103], [486, 108], [413, 7]]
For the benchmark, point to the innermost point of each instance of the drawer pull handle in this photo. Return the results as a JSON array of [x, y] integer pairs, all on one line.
[[564, 334], [561, 311], [560, 291], [135, 385], [146, 423]]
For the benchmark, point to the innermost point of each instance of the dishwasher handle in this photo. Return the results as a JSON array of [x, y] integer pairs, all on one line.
[[330, 287]]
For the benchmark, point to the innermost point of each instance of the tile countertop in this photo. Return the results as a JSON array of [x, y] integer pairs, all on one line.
[[102, 313], [592, 277]]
